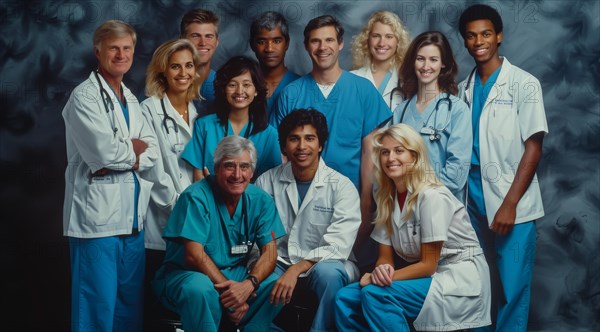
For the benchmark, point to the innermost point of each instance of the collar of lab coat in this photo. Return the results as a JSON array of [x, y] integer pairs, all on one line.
[[392, 83], [124, 130], [499, 85], [175, 115], [291, 190]]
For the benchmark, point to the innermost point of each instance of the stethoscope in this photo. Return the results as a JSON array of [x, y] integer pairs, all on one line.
[[109, 106], [432, 131], [464, 96], [178, 146]]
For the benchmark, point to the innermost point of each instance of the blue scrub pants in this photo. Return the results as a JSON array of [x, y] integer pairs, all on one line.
[[107, 287], [326, 279], [193, 295], [376, 308], [510, 258]]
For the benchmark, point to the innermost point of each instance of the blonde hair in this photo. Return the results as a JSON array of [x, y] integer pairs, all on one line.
[[361, 55], [418, 177], [156, 82], [111, 29]]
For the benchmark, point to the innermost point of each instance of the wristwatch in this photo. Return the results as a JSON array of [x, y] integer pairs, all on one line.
[[254, 281]]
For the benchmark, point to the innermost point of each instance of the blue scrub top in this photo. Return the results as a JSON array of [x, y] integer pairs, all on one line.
[[353, 109], [208, 132], [480, 94], [450, 156], [207, 91], [200, 215], [288, 78]]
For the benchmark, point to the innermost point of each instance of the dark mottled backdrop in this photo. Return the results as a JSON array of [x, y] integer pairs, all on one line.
[[45, 51]]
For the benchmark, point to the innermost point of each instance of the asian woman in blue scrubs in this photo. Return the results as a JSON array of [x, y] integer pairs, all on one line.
[[239, 109]]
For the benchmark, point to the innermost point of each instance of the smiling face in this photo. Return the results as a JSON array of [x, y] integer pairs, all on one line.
[[204, 37], [395, 160], [180, 71], [233, 174], [428, 64], [115, 56], [323, 48], [481, 40], [302, 148], [382, 42], [270, 47], [240, 92]]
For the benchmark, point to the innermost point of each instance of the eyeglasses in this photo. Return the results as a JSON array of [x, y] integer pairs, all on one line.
[[231, 165], [233, 86]]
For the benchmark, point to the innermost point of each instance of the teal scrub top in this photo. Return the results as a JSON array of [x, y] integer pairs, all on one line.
[[200, 215], [288, 78], [208, 132]]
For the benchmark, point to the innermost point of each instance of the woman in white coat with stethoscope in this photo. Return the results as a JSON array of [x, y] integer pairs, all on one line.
[[447, 284], [172, 82], [378, 51]]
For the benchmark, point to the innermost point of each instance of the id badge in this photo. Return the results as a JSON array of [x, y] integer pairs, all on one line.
[[178, 147], [239, 249], [427, 131], [104, 179]]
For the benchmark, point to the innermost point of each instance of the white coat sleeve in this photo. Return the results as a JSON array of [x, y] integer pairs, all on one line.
[[146, 134], [163, 192], [90, 127], [337, 242]]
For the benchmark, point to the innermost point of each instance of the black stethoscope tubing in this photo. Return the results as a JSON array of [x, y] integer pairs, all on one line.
[[464, 96], [435, 136], [108, 103]]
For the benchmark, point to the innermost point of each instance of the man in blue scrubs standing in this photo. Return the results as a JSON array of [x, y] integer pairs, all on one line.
[[504, 198], [210, 232], [201, 27]]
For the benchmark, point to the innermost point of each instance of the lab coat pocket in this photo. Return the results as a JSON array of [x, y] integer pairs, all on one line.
[[461, 279], [103, 205]]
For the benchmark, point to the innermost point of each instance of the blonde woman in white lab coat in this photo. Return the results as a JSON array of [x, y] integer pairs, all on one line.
[[378, 51], [446, 286], [172, 83]]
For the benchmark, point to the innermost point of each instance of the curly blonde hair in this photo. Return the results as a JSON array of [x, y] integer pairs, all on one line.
[[156, 82], [420, 176], [361, 55]]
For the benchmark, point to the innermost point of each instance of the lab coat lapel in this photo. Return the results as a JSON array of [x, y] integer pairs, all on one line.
[[179, 122], [120, 122], [290, 187], [317, 181]]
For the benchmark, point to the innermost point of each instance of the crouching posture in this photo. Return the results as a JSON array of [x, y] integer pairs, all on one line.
[[213, 225], [321, 213], [447, 285]]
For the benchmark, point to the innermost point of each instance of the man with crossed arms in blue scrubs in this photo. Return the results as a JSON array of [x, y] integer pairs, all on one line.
[[214, 223]]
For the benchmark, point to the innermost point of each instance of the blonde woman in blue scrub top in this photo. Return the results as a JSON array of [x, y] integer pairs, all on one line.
[[239, 109], [447, 285], [378, 51]]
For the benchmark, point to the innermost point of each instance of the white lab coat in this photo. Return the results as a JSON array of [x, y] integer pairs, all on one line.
[[387, 92], [171, 175], [104, 206], [513, 111], [325, 225], [459, 296]]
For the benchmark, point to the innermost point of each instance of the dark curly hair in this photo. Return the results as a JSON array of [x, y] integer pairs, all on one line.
[[301, 117], [237, 66]]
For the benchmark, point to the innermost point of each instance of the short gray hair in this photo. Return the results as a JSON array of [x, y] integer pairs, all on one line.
[[111, 29], [234, 146]]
